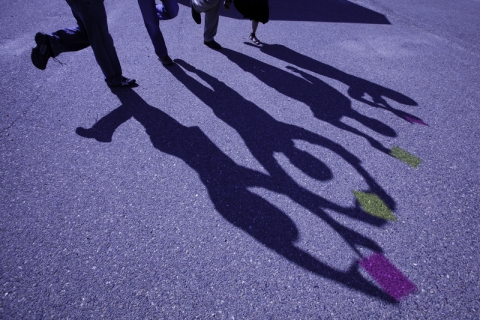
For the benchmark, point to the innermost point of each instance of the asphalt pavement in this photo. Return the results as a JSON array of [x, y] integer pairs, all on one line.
[[330, 173]]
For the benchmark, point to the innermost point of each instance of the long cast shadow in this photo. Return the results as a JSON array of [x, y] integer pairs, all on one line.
[[359, 89], [228, 186], [264, 136], [314, 10], [326, 103]]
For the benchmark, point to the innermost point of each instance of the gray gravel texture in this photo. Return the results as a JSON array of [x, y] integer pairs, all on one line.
[[226, 191]]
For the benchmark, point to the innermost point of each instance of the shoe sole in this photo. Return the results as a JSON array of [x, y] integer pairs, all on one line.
[[38, 52], [40, 39]]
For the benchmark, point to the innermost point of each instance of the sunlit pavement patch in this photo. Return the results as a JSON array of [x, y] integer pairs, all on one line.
[[373, 205], [388, 276], [406, 157]]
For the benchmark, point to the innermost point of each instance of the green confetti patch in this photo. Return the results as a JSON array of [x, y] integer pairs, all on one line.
[[406, 157], [373, 205]]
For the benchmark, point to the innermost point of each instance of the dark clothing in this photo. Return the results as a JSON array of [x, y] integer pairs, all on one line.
[[211, 8], [91, 30], [152, 14], [256, 10]]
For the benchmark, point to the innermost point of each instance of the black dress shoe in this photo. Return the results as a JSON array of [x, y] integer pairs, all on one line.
[[213, 45], [42, 52], [124, 83]]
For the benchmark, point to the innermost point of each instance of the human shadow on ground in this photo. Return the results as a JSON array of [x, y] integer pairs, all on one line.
[[265, 136], [229, 184], [313, 10], [359, 89], [326, 103]]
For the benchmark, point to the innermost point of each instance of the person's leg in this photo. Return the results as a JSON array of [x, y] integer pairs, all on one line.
[[49, 46], [150, 18], [254, 26], [212, 16], [92, 30], [94, 17], [70, 39], [253, 35], [167, 9]]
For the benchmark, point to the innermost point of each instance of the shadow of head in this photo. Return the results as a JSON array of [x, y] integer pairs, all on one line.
[[310, 165]]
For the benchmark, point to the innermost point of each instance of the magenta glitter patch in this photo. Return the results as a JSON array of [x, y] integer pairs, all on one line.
[[415, 120], [388, 276]]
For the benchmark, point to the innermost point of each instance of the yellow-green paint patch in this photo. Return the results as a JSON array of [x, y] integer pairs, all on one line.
[[373, 205], [406, 157]]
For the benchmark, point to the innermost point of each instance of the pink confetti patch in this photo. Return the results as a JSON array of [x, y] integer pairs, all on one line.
[[388, 276], [415, 120]]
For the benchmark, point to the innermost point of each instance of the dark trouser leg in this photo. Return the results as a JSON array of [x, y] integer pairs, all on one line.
[[150, 18], [69, 39], [211, 21], [212, 14], [92, 30]]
